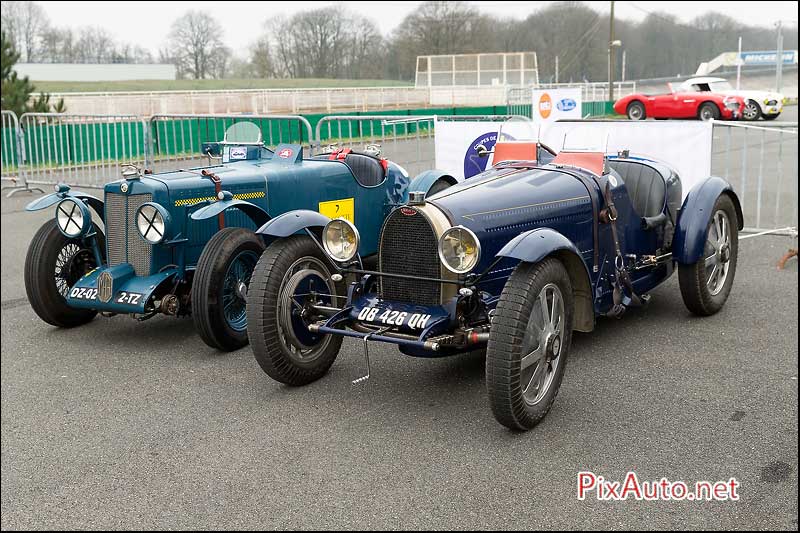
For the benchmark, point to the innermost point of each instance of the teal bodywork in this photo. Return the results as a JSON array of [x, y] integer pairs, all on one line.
[[261, 186]]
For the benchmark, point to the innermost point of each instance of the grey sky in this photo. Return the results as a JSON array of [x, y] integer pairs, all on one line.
[[148, 23]]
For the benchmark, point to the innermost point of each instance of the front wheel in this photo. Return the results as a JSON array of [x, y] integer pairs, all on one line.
[[752, 111], [708, 111], [219, 288], [706, 284], [54, 264], [636, 111], [529, 343], [292, 275]]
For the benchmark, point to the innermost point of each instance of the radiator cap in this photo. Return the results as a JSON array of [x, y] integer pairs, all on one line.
[[416, 198]]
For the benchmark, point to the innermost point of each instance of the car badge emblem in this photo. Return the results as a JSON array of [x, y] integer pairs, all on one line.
[[286, 153], [407, 211], [124, 187], [104, 287]]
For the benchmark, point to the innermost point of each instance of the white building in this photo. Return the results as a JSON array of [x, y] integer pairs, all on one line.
[[95, 71]]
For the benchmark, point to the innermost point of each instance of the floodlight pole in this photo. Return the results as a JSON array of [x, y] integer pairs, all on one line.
[[610, 49], [739, 65], [779, 60]]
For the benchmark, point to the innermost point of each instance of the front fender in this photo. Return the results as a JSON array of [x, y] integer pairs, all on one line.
[[254, 212], [292, 222], [51, 199], [537, 244], [695, 214], [425, 180], [534, 245]]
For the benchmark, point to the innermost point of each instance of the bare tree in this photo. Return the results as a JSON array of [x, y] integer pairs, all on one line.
[[24, 23], [197, 48]]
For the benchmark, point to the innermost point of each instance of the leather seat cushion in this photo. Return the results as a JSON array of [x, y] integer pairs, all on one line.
[[645, 186], [367, 170]]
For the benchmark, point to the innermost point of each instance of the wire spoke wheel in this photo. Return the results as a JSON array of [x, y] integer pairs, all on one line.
[[234, 291]]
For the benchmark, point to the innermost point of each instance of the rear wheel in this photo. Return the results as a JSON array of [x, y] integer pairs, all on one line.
[[54, 264], [219, 288], [706, 284], [529, 343], [752, 111], [708, 111], [291, 274], [636, 111]]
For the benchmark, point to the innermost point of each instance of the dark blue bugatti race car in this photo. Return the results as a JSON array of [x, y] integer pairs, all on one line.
[[185, 242], [512, 260]]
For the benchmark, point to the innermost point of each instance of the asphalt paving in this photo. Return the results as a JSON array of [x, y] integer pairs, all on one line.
[[121, 424]]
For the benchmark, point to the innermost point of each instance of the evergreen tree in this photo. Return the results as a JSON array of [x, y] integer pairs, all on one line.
[[15, 91]]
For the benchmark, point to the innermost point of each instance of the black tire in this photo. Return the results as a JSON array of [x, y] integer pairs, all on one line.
[[708, 111], [509, 338], [210, 285], [635, 111], [279, 355], [699, 294], [771, 117], [47, 283], [438, 186], [755, 110]]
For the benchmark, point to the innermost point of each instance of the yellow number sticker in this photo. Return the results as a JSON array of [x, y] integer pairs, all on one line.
[[344, 208]]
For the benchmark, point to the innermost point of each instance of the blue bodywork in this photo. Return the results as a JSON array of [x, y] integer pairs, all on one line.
[[528, 212], [258, 188]]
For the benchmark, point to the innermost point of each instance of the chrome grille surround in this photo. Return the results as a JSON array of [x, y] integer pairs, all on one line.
[[409, 245], [123, 242]]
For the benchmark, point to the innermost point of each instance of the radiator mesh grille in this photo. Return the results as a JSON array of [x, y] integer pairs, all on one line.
[[409, 246], [123, 242]]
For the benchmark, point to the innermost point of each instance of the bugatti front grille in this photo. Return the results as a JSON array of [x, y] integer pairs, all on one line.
[[409, 246], [123, 242]]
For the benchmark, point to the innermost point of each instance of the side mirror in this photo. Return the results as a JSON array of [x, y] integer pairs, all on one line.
[[482, 151]]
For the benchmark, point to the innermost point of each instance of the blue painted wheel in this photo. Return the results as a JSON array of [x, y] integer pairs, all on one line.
[[220, 285], [234, 289]]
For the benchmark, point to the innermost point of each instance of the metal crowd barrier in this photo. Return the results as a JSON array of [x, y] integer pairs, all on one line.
[[177, 139], [84, 150], [12, 156], [760, 161]]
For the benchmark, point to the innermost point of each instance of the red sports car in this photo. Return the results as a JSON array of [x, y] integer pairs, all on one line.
[[681, 104]]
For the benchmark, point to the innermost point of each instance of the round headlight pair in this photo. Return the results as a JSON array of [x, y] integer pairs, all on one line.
[[72, 217], [152, 220], [459, 250], [340, 239]]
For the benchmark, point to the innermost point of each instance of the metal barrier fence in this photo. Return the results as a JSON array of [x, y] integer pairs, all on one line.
[[761, 164], [86, 150], [178, 138], [12, 155]]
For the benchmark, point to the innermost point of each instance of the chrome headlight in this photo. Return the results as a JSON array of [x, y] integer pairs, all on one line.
[[152, 220], [459, 250], [72, 217], [340, 239]]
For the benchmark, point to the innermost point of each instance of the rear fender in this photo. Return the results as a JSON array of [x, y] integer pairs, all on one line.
[[254, 212], [695, 214], [538, 244]]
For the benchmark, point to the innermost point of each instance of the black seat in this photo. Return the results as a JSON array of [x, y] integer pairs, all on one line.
[[367, 169], [646, 187]]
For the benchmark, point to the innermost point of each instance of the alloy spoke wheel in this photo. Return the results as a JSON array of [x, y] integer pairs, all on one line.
[[717, 252], [542, 344]]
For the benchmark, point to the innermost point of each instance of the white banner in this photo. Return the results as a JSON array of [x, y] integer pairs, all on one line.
[[683, 145], [556, 104]]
